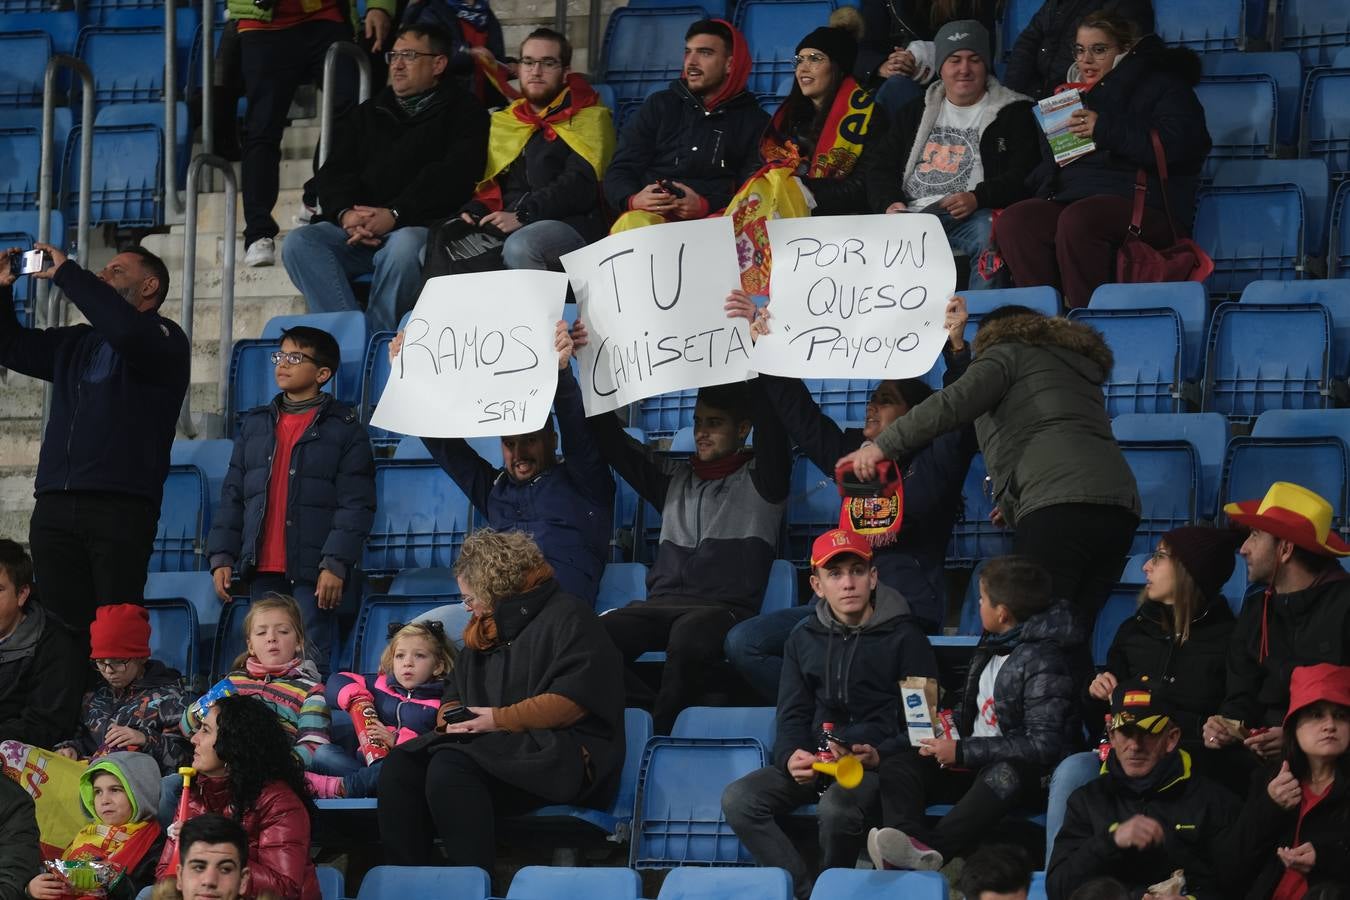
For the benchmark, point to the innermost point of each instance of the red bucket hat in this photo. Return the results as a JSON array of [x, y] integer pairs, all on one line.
[[1293, 513], [1312, 684]]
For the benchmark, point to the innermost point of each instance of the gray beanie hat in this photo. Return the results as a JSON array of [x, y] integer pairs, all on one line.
[[963, 34]]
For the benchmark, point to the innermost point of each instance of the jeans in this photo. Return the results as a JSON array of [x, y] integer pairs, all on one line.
[[538, 245], [755, 647], [358, 779], [1071, 774], [320, 625], [752, 802], [454, 616], [971, 237], [322, 265]]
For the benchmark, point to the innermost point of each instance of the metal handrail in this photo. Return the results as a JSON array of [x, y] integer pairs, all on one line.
[[199, 162], [208, 76], [46, 298], [339, 48], [171, 207]]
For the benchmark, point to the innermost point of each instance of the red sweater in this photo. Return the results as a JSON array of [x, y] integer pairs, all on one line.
[[272, 549]]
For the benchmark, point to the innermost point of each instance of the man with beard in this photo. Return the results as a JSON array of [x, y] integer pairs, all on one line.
[[117, 386]]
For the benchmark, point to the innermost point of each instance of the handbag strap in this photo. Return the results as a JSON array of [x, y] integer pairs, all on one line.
[[1141, 189]]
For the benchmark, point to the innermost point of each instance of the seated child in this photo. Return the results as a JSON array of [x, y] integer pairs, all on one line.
[[1016, 720], [119, 791], [405, 695], [140, 702]]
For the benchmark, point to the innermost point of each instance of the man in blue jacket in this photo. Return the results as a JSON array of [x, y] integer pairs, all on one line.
[[117, 385]]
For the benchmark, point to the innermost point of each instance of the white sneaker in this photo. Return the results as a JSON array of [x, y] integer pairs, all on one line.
[[891, 848], [262, 252]]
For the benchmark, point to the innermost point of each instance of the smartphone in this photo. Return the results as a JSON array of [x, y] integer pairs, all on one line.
[[459, 714], [671, 188], [29, 262]]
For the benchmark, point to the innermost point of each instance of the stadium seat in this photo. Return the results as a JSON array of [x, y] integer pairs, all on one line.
[[974, 537], [620, 584], [252, 379], [153, 114], [63, 27], [627, 510], [644, 49], [756, 722], [197, 589], [1207, 433], [1037, 889], [378, 611], [127, 63], [1265, 356], [1147, 346], [834, 884], [812, 508], [377, 369], [677, 817], [780, 591], [1332, 293], [1314, 29], [441, 882], [1235, 590], [23, 291], [1202, 25], [606, 94], [1309, 174], [411, 447], [1168, 475], [1241, 112], [180, 539], [665, 414], [435, 581], [1119, 606], [1017, 15], [229, 639], [349, 328], [1187, 298], [128, 175], [1043, 299], [1326, 120], [421, 517], [133, 14], [701, 883], [174, 634], [616, 821], [569, 883], [1338, 260], [20, 153], [1310, 447], [842, 399], [332, 886], [1251, 233], [772, 29], [1285, 68], [212, 457], [23, 62]]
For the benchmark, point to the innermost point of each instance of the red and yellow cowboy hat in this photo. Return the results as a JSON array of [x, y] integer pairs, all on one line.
[[1293, 513]]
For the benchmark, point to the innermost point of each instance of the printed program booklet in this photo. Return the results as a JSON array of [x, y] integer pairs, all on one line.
[[1054, 114]]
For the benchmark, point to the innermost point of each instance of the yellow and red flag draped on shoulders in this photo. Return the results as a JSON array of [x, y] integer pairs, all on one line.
[[54, 784], [771, 193], [575, 116]]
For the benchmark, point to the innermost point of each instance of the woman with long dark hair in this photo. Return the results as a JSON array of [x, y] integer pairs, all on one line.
[[246, 770]]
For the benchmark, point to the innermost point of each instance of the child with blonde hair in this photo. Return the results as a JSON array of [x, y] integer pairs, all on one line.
[[394, 705]]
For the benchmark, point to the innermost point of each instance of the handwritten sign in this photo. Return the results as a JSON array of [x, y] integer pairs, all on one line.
[[477, 358], [652, 302], [856, 296]]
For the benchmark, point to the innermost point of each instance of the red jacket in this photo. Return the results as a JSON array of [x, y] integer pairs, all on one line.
[[278, 838]]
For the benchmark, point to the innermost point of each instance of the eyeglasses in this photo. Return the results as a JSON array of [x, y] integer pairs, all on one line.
[[291, 358], [548, 63], [810, 59], [1096, 51], [1158, 556], [408, 56], [111, 665]]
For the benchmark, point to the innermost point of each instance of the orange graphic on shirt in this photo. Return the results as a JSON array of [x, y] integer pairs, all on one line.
[[944, 158], [987, 713]]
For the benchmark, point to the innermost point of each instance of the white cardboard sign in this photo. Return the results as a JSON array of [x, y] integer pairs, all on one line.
[[477, 357], [652, 300], [856, 296]]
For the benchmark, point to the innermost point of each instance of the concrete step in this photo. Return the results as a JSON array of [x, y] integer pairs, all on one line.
[[20, 440], [250, 314], [20, 397], [211, 205]]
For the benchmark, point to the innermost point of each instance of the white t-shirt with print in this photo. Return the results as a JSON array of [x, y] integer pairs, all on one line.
[[950, 162], [986, 720]]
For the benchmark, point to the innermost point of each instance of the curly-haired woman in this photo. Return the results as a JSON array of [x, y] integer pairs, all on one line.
[[535, 706], [246, 771]]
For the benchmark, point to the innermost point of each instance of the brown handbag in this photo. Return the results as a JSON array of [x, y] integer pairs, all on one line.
[[1137, 262]]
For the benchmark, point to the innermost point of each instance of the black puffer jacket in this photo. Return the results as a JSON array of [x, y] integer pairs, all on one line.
[[41, 679], [1193, 672], [674, 136], [1153, 87], [1263, 826], [850, 677], [1034, 697], [1041, 57]]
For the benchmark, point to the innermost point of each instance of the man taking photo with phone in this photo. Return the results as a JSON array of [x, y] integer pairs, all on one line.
[[117, 385]]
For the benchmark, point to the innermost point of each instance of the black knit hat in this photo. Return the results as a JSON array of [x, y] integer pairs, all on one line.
[[836, 43], [1207, 554]]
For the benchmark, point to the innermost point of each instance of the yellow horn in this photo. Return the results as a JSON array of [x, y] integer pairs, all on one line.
[[848, 772], [188, 774]]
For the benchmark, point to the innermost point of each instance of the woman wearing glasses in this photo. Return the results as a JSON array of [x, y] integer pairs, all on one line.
[[1067, 237]]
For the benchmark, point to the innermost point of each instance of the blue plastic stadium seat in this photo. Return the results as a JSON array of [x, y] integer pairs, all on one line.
[[229, 641], [1187, 298], [1338, 261], [1332, 293], [23, 60], [253, 378], [1267, 357], [1119, 606], [780, 591], [1326, 120], [1037, 889], [700, 883], [834, 884], [677, 817], [1207, 433], [152, 114], [1202, 24], [62, 27], [1017, 15], [180, 538], [665, 414], [421, 517], [974, 537], [127, 63], [627, 510], [174, 634], [332, 886], [434, 581], [1168, 475], [620, 584], [128, 175], [349, 328], [441, 882], [149, 15], [1251, 233], [1147, 346], [20, 152], [842, 399], [197, 589], [644, 48], [1241, 112], [567, 883], [212, 457], [1284, 67], [1309, 174], [772, 29], [411, 447], [1314, 29], [1307, 446], [813, 508], [606, 95], [756, 722], [377, 369], [23, 291], [372, 625]]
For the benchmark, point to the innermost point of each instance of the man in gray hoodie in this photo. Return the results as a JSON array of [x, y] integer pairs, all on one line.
[[840, 684]]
